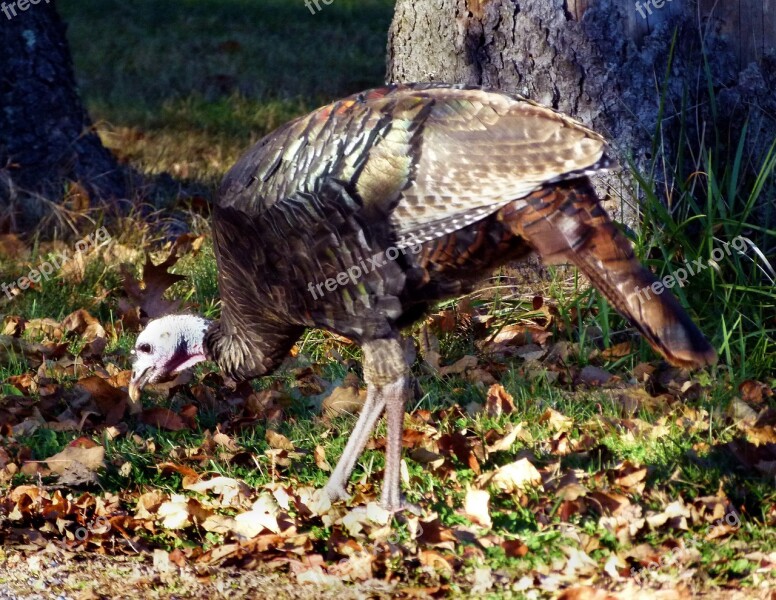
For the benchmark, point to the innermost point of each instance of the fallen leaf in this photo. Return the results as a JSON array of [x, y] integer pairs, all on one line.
[[556, 420], [476, 507], [458, 444], [754, 393], [594, 376], [320, 458], [436, 561], [84, 324], [90, 458], [514, 548], [263, 515], [13, 325], [148, 504], [162, 418], [515, 335], [149, 298], [343, 400], [233, 492], [278, 441], [175, 512], [513, 477], [460, 366], [187, 242], [499, 401], [506, 442], [110, 401]]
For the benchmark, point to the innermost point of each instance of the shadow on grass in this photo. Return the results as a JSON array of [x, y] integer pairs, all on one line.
[[141, 63]]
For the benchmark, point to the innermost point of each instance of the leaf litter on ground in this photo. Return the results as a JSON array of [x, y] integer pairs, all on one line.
[[502, 484]]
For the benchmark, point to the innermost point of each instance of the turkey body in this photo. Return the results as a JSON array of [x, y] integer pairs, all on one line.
[[359, 216]]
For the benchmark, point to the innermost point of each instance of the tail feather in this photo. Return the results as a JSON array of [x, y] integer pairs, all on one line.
[[566, 223]]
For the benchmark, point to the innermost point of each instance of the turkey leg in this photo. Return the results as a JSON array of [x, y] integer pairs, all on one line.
[[394, 394], [370, 413]]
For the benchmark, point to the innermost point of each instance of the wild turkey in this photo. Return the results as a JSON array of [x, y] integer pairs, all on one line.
[[359, 216]]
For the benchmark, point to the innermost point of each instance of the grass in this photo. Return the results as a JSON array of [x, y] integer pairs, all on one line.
[[185, 87]]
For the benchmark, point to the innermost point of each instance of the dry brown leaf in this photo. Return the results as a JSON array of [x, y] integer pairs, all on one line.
[[77, 197], [320, 458], [594, 376], [754, 393], [514, 335], [442, 322], [514, 548], [571, 492], [13, 325], [720, 530], [586, 593], [741, 412], [188, 473], [49, 328], [343, 400], [436, 561], [185, 243], [84, 324], [480, 377], [460, 366], [620, 350], [761, 435], [499, 401], [162, 418], [149, 298], [278, 441], [148, 504], [674, 510], [629, 475], [505, 442], [512, 477], [91, 458], [175, 512], [427, 457], [25, 383], [110, 401], [476, 507], [263, 515], [459, 445], [13, 247], [225, 441], [556, 420], [232, 492], [356, 567]]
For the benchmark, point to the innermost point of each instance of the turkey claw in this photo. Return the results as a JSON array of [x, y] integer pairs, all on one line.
[[336, 492]]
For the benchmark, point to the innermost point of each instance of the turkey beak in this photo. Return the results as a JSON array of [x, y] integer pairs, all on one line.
[[136, 384]]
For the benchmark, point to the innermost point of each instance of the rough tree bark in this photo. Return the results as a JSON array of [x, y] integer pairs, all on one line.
[[600, 61], [46, 137]]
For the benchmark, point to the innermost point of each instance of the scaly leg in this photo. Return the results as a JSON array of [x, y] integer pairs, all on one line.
[[370, 413], [394, 394], [385, 365]]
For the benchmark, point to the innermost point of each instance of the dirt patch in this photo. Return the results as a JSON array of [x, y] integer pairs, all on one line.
[[54, 574]]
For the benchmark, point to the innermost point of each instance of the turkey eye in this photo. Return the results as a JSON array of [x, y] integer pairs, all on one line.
[[144, 348]]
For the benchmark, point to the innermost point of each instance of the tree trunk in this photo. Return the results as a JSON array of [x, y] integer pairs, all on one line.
[[46, 138], [604, 63]]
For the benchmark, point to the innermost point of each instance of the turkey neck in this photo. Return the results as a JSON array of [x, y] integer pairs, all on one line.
[[249, 353]]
